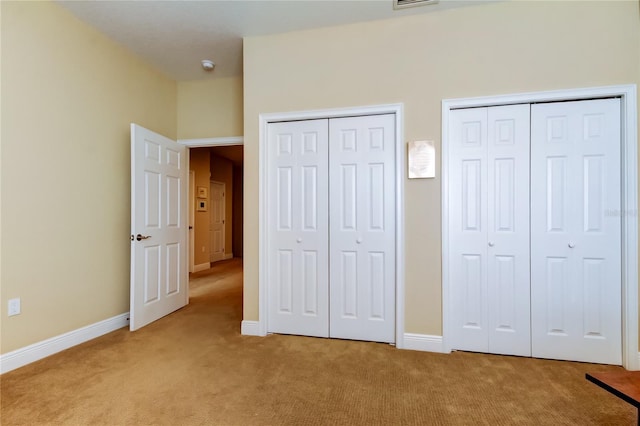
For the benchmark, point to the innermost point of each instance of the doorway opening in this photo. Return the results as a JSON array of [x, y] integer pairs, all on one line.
[[216, 168]]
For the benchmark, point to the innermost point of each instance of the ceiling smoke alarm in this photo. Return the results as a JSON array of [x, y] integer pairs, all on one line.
[[208, 65], [401, 4]]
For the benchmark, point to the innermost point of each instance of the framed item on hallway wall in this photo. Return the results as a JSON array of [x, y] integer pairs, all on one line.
[[201, 205], [422, 159], [202, 192]]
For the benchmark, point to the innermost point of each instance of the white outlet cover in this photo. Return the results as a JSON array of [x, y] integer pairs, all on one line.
[[13, 307]]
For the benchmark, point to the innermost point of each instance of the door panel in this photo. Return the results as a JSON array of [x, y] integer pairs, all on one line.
[[159, 273], [298, 228], [472, 296], [362, 233], [489, 231], [576, 230], [285, 281], [310, 282], [152, 275], [557, 283], [346, 289], [508, 268], [468, 229]]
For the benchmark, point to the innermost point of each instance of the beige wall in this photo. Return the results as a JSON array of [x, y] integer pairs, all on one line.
[[500, 48], [222, 171], [237, 210], [200, 164], [210, 108], [68, 96]]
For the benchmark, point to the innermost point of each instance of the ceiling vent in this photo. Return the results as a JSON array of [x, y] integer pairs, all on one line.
[[401, 4]]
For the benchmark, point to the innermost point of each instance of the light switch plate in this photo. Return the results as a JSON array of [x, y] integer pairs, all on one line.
[[13, 307]]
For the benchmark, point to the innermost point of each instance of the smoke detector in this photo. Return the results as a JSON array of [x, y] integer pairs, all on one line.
[[208, 65], [401, 4]]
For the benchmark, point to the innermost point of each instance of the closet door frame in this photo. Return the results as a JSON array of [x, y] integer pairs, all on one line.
[[264, 120], [629, 207]]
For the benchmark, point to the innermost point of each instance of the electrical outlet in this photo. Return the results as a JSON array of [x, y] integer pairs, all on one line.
[[13, 307]]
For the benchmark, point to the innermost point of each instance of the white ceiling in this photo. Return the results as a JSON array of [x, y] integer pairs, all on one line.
[[174, 36]]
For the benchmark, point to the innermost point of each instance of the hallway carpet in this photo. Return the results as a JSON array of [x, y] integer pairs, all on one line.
[[194, 368]]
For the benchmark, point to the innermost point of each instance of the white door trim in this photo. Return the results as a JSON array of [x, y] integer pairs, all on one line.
[[207, 142], [629, 214], [192, 218], [264, 120], [224, 218]]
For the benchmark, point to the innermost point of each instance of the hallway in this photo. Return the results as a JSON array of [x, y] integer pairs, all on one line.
[[216, 294]]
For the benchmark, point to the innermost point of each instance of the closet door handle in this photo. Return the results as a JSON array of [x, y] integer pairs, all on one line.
[[359, 240], [572, 244], [491, 243], [299, 240]]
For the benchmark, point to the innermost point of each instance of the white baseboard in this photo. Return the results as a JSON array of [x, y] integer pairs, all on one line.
[[250, 328], [228, 256], [28, 354], [423, 342], [201, 267]]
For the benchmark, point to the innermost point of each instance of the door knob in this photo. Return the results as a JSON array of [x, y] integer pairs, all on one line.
[[142, 237], [359, 241], [572, 245], [299, 240], [491, 243]]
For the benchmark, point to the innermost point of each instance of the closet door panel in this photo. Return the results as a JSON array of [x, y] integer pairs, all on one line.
[[468, 248], [362, 230], [489, 229], [576, 231], [298, 228], [508, 230]]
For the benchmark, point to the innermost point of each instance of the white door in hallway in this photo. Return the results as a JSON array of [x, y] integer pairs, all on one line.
[[298, 264], [489, 229], [576, 231], [362, 230], [159, 271], [217, 212]]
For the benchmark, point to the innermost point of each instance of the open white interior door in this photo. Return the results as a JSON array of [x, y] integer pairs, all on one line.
[[159, 271]]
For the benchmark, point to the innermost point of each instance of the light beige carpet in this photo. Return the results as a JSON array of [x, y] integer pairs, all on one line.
[[194, 368]]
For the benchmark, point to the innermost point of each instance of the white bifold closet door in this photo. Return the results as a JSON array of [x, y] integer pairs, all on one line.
[[331, 237], [362, 228], [489, 229], [576, 231], [561, 271], [298, 263]]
